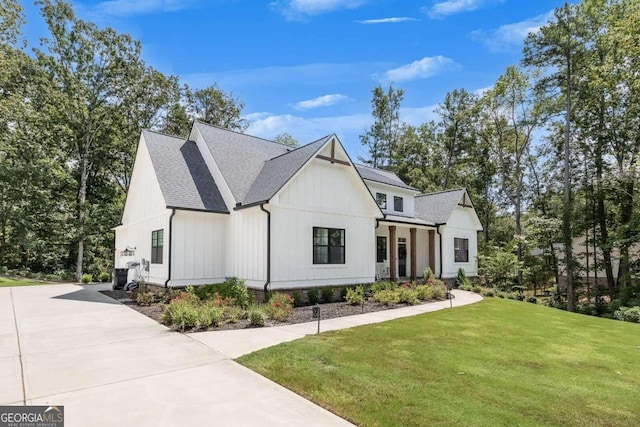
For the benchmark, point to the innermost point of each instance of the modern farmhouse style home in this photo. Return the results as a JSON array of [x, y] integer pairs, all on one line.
[[222, 203]]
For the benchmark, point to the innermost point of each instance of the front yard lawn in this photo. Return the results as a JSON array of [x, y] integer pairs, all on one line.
[[6, 282], [497, 362]]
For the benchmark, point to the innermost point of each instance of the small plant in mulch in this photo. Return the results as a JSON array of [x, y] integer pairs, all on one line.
[[144, 299], [279, 307], [355, 295], [327, 294]]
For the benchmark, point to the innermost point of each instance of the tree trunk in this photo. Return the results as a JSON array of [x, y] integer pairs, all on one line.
[[82, 197], [567, 208], [626, 215]]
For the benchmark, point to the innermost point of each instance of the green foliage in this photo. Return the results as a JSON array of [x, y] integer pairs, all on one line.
[[343, 293], [87, 278], [628, 314], [488, 293], [384, 134], [313, 295], [286, 139], [232, 313], [439, 289], [170, 294], [355, 295], [145, 298], [427, 274], [462, 279], [279, 307], [476, 289], [327, 294], [182, 312], [256, 316], [424, 292], [380, 286], [532, 299], [232, 288], [387, 297], [297, 298], [105, 277], [501, 268], [209, 314], [407, 295]]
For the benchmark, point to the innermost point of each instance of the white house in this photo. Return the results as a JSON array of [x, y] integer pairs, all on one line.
[[222, 203]]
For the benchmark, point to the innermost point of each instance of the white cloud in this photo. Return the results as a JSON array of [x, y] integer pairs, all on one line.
[[139, 7], [321, 101], [421, 69], [303, 9], [451, 7], [509, 36], [387, 20]]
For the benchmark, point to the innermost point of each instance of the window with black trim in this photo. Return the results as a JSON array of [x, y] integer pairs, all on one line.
[[157, 245], [328, 245], [381, 198], [461, 250], [381, 244], [398, 204]]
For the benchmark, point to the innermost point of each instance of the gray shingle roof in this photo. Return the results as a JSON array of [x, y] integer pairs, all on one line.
[[382, 176], [437, 207], [278, 171], [185, 180], [240, 157]]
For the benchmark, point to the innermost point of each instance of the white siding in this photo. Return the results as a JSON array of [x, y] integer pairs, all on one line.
[[461, 224], [198, 248], [408, 197], [247, 246], [322, 195], [145, 211]]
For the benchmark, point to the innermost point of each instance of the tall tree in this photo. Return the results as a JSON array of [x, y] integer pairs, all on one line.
[[212, 105], [384, 134], [557, 47], [286, 139]]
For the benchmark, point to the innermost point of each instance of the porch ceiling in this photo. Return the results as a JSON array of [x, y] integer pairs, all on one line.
[[403, 220]]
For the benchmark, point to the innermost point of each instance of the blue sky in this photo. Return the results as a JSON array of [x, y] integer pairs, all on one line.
[[307, 67]]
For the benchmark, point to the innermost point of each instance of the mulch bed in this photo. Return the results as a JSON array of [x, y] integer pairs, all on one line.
[[300, 314]]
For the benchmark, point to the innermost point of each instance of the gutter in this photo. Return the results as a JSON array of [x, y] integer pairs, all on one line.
[[268, 282], [173, 212], [440, 244]]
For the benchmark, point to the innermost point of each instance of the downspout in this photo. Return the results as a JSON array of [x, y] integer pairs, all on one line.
[[268, 282], [173, 212], [440, 245]]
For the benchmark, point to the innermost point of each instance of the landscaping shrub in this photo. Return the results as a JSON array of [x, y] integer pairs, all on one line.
[[145, 298], [532, 300], [427, 274], [279, 307], [462, 279], [383, 286], [327, 294], [488, 293], [424, 292], [387, 297], [355, 296], [476, 289], [511, 295], [407, 295], [467, 288], [343, 293], [209, 314], [520, 297], [256, 316], [628, 314], [87, 278], [439, 289], [170, 294], [297, 298], [232, 313], [182, 312], [104, 277], [502, 295], [232, 288], [312, 295]]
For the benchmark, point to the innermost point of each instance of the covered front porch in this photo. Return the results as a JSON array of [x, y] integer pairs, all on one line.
[[405, 247]]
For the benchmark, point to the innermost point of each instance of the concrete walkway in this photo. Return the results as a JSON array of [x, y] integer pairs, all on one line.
[[112, 366]]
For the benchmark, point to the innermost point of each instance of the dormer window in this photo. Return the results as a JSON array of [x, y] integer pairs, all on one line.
[[398, 204], [381, 198]]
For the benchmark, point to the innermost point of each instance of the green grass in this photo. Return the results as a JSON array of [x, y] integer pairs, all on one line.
[[494, 363], [6, 282]]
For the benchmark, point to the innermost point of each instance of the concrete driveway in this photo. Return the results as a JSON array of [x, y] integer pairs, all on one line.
[[111, 366]]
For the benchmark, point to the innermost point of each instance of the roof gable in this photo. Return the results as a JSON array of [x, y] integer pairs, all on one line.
[[239, 157], [438, 207], [278, 171], [185, 180]]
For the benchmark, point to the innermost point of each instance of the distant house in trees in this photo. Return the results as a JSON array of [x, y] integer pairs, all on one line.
[[222, 203]]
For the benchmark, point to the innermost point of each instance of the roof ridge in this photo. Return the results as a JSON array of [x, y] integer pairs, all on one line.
[[166, 134], [297, 148], [240, 133], [442, 192]]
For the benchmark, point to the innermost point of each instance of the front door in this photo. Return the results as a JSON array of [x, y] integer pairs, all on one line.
[[402, 259]]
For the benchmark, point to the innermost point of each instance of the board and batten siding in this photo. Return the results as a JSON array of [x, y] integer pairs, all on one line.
[[391, 191], [198, 248], [466, 228], [247, 246], [322, 195], [145, 211]]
